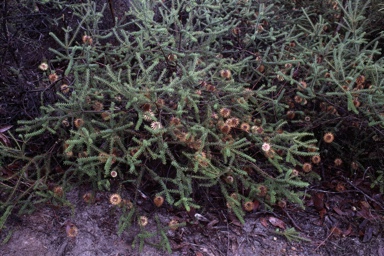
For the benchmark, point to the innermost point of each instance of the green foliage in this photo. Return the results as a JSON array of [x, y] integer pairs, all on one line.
[[222, 95], [292, 235]]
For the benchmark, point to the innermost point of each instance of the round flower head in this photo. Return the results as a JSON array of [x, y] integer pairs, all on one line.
[[143, 221], [225, 112], [158, 201], [115, 199], [113, 174], [328, 137], [338, 162], [307, 167], [173, 224], [225, 73], [43, 66], [245, 127], [316, 159], [71, 230], [225, 129], [53, 77], [248, 206], [156, 126], [266, 147], [64, 88], [78, 122]]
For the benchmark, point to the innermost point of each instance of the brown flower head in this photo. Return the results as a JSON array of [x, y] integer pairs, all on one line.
[[328, 137], [158, 200], [262, 191], [245, 127], [229, 179], [338, 162], [282, 204], [97, 106], [225, 73], [316, 159], [225, 112], [143, 221], [225, 129], [71, 229], [53, 77], [88, 198], [58, 191], [174, 121], [173, 224], [232, 122], [78, 122], [307, 167], [64, 88], [87, 39], [248, 206], [115, 199]]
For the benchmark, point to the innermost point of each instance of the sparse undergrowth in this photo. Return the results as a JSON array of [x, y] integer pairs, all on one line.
[[247, 101]]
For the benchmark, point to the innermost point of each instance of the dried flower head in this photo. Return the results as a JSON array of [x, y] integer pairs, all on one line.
[[354, 166], [232, 122], [113, 174], [328, 137], [248, 206], [225, 129], [106, 115], [103, 157], [53, 77], [338, 162], [88, 198], [356, 102], [78, 122], [173, 224], [225, 73], [316, 159], [261, 68], [148, 116], [58, 191], [307, 167], [303, 85], [71, 230], [143, 221], [298, 99], [43, 66], [64, 88], [263, 190], [266, 147], [115, 199], [291, 114], [65, 122], [295, 173], [229, 179], [172, 57], [87, 39], [158, 200], [97, 106], [282, 204], [225, 112], [174, 121], [156, 126], [360, 80], [127, 203], [160, 102], [245, 127]]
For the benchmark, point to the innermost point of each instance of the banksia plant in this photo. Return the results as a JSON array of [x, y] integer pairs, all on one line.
[[180, 98]]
